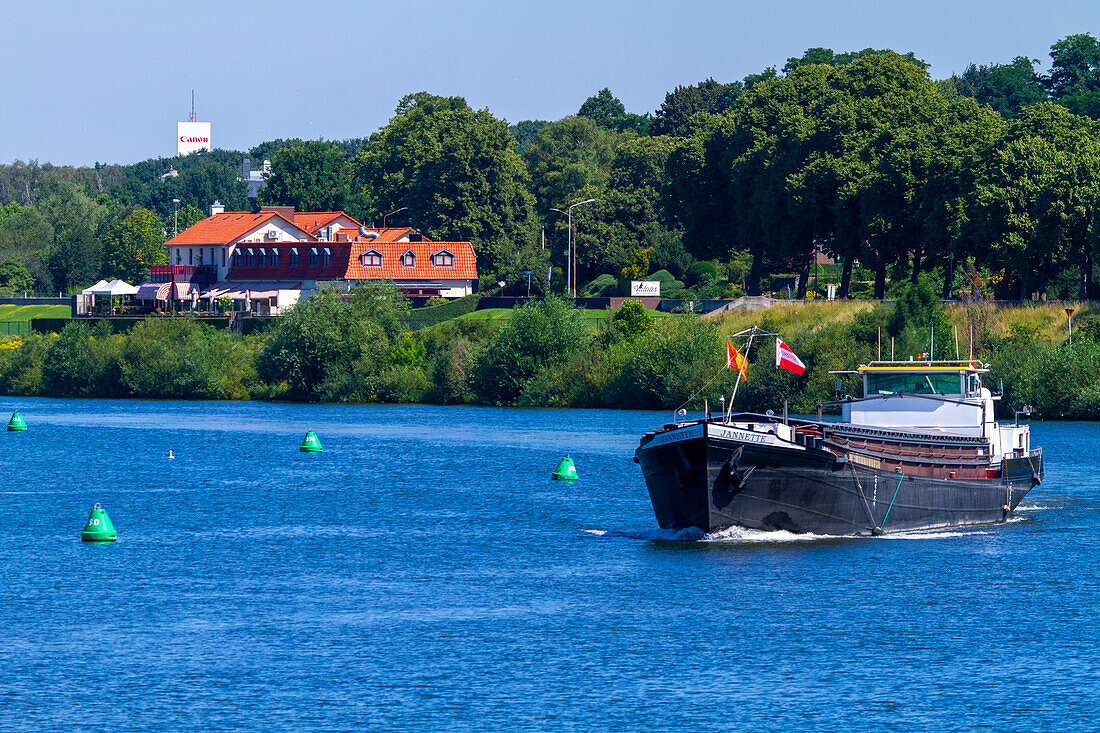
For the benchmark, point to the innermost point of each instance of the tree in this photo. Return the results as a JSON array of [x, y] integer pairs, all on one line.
[[313, 176], [604, 109], [458, 173], [332, 348], [1033, 211], [26, 237], [608, 112], [15, 277], [684, 102], [525, 131], [539, 334], [1007, 88], [76, 252], [829, 57], [135, 244], [631, 213]]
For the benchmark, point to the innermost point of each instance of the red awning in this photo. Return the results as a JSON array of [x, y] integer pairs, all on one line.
[[153, 291]]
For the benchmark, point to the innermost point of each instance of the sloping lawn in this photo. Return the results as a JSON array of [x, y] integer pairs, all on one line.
[[27, 312]]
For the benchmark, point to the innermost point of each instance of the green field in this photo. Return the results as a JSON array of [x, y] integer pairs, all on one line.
[[594, 319], [26, 312]]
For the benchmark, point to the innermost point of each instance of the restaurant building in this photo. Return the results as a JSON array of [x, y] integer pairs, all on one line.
[[266, 261]]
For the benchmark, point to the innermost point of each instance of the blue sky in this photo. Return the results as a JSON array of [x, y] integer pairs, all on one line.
[[87, 81]]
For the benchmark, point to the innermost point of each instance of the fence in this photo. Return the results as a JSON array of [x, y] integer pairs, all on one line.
[[15, 328]]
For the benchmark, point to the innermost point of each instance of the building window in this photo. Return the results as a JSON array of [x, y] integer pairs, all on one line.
[[273, 258], [326, 257], [443, 259], [199, 260], [314, 257], [190, 256], [179, 255], [371, 258], [294, 257], [223, 256], [408, 259], [236, 259]]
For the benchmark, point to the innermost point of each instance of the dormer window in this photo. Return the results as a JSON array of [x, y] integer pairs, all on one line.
[[443, 258], [326, 257], [294, 257], [314, 257], [371, 258], [273, 258], [408, 259]]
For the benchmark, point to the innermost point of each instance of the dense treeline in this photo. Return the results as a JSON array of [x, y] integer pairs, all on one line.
[[358, 349], [987, 181]]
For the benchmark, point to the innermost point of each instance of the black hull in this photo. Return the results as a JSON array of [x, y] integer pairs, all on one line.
[[700, 480]]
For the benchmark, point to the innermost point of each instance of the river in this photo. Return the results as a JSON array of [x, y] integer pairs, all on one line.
[[424, 573]]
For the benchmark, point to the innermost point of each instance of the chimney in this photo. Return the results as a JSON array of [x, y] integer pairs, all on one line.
[[286, 212], [217, 208]]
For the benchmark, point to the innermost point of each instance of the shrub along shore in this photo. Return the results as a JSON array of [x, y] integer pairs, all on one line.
[[366, 347]]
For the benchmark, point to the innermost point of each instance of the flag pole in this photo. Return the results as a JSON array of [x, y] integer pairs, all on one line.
[[737, 383]]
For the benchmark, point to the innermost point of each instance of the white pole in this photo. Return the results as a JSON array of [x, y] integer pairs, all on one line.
[[737, 383]]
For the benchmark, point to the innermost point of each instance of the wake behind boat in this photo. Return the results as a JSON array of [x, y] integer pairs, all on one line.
[[919, 450]]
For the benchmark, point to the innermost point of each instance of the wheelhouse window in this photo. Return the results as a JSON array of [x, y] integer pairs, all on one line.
[[314, 257], [371, 258], [408, 259], [294, 257], [443, 259], [948, 383]]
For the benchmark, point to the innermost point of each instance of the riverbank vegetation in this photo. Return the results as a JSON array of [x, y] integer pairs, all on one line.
[[360, 348]]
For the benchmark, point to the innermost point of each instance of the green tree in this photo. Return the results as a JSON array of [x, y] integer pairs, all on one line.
[[76, 252], [26, 238], [313, 176], [607, 111], [684, 102], [15, 276], [458, 173], [134, 245], [1074, 70], [1007, 88], [333, 348], [539, 334]]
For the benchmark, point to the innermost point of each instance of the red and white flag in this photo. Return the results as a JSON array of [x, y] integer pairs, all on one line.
[[787, 359]]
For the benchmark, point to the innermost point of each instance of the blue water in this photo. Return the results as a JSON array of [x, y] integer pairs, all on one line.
[[423, 573]]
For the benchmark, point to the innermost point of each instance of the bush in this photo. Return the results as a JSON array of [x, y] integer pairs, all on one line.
[[701, 274], [603, 286], [538, 334]]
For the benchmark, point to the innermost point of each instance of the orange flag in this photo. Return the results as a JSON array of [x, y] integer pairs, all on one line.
[[734, 360]]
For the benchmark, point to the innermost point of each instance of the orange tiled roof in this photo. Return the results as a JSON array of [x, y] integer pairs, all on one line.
[[223, 228], [465, 262], [311, 221]]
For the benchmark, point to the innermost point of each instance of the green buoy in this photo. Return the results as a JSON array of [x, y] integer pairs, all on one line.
[[565, 471], [311, 444], [99, 527], [16, 424]]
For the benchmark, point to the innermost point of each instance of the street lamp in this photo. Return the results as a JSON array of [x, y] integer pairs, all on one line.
[[398, 211], [570, 255], [175, 217]]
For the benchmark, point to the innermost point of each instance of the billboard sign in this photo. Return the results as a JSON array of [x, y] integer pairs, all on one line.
[[192, 136], [645, 288]]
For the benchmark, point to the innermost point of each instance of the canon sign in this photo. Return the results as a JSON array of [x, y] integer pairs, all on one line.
[[192, 136]]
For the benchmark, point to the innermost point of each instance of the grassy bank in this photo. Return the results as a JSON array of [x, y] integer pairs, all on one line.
[[369, 348]]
